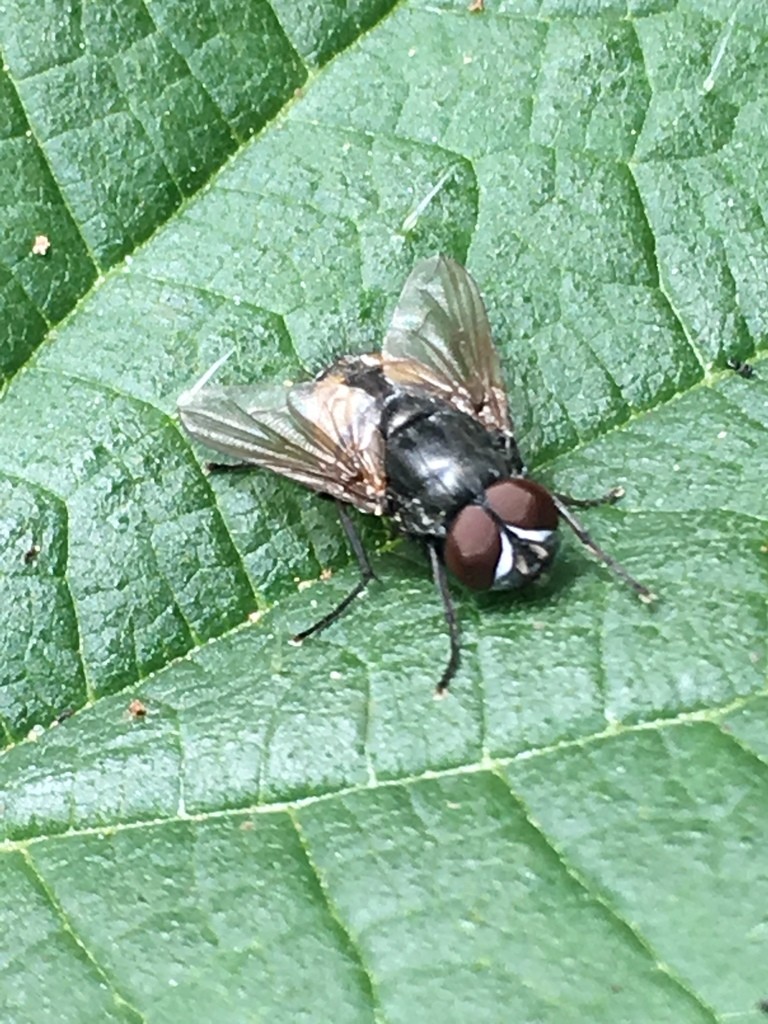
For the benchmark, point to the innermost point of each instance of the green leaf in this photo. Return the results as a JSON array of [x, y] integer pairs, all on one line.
[[301, 833]]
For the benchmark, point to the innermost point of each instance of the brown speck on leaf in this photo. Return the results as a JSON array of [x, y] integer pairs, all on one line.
[[476, 7], [137, 709], [745, 370], [31, 553], [326, 574], [298, 93], [247, 826], [41, 245], [62, 716]]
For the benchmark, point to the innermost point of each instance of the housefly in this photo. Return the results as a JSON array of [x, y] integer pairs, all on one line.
[[419, 432]]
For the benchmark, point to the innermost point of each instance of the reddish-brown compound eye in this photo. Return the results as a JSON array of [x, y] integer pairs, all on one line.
[[472, 548], [523, 503]]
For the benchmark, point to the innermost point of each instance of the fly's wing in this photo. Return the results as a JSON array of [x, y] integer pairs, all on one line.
[[440, 341], [324, 434]]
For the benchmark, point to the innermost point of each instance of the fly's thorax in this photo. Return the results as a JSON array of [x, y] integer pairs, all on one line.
[[437, 460], [506, 539]]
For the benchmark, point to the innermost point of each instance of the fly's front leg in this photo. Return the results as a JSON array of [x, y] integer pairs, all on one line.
[[640, 589], [366, 575], [609, 498], [449, 611]]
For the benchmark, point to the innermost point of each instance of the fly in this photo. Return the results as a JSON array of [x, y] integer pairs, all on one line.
[[419, 432]]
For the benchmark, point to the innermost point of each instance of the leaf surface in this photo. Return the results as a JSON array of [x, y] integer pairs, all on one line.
[[578, 832]]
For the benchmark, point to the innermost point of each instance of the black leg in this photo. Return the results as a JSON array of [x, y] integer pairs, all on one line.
[[642, 591], [609, 498], [441, 582], [229, 467], [366, 575]]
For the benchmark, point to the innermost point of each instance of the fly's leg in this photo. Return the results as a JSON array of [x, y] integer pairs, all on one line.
[[228, 467], [441, 582], [609, 498], [505, 443], [366, 572], [642, 591], [366, 575]]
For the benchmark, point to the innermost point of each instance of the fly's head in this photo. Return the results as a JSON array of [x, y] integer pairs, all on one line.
[[506, 540]]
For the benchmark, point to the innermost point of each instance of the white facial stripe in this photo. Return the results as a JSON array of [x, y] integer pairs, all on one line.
[[506, 558], [536, 536], [506, 561]]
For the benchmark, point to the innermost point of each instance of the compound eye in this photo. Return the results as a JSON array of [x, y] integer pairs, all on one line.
[[524, 504], [473, 547]]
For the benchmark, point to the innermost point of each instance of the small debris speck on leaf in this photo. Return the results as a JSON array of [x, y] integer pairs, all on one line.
[[41, 245], [137, 709], [31, 553]]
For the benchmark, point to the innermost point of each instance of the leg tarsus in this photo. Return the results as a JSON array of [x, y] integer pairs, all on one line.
[[366, 575], [336, 613], [609, 498], [640, 589]]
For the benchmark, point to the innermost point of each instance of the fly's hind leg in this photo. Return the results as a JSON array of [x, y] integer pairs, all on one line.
[[229, 467], [366, 575], [353, 537]]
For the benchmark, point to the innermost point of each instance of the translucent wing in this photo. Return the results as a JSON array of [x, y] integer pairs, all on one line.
[[323, 434], [440, 340]]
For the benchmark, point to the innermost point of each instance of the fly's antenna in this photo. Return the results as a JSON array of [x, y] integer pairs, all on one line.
[[645, 595]]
